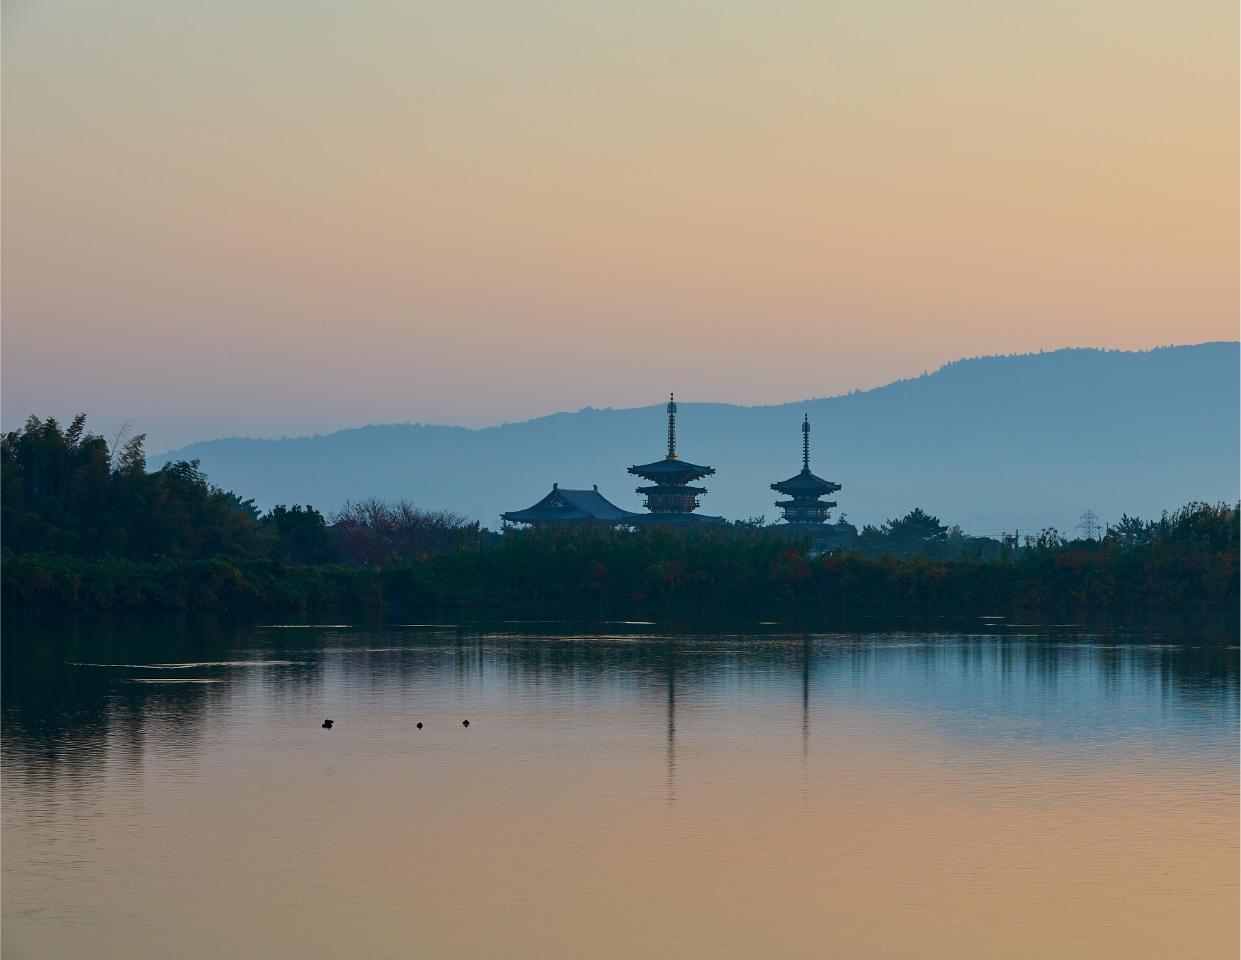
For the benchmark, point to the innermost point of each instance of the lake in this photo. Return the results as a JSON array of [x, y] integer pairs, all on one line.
[[922, 788]]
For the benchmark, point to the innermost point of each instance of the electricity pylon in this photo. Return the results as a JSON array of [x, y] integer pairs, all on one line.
[[1089, 526]]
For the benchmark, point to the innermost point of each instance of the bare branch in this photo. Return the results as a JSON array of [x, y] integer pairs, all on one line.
[[117, 436]]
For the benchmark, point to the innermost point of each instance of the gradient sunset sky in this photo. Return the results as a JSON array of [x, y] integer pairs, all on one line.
[[282, 218]]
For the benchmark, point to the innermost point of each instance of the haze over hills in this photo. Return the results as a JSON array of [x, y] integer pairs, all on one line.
[[991, 443]]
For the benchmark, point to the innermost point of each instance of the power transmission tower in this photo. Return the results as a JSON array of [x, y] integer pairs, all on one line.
[[1089, 526]]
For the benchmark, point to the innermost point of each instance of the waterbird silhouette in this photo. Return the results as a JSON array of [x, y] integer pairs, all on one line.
[[419, 724], [465, 723], [327, 724]]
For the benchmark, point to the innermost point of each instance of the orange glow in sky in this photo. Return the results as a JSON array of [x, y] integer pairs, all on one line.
[[241, 218]]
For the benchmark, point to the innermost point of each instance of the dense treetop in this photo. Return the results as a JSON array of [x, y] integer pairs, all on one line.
[[72, 492]]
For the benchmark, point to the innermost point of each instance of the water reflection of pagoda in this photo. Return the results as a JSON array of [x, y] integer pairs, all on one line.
[[671, 499], [806, 511]]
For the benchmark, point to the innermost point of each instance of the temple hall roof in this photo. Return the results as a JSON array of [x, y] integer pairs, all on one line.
[[572, 506]]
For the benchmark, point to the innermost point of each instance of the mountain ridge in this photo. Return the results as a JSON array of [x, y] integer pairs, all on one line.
[[1112, 430]]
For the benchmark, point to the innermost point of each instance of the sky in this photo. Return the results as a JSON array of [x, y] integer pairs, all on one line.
[[269, 218]]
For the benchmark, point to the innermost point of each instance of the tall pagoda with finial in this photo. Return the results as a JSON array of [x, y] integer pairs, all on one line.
[[671, 499], [806, 489]]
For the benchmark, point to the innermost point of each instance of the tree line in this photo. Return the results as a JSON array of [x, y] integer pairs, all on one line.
[[1190, 562], [69, 492], [85, 525]]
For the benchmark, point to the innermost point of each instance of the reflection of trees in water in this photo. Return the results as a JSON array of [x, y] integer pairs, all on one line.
[[62, 721], [1195, 663], [63, 717]]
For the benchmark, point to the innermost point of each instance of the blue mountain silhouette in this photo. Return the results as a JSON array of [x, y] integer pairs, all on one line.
[[991, 443]]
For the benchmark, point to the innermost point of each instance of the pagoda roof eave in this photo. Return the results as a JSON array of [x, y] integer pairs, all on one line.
[[664, 469], [806, 482]]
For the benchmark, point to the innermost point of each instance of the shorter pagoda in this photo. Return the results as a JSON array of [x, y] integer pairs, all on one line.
[[671, 499], [806, 509]]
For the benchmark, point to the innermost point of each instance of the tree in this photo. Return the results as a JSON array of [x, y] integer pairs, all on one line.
[[69, 491], [915, 533], [377, 532], [1130, 532], [298, 534]]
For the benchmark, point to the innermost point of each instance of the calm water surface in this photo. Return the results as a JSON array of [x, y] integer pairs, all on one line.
[[954, 789]]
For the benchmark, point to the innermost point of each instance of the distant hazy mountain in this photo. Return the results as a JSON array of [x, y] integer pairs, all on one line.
[[992, 443]]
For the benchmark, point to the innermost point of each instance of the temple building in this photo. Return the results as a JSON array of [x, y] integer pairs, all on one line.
[[671, 499], [806, 511], [573, 507]]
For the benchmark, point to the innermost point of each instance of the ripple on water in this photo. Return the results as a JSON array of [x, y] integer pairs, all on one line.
[[191, 666], [171, 680]]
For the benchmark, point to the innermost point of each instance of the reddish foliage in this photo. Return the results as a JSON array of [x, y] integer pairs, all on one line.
[[791, 566]]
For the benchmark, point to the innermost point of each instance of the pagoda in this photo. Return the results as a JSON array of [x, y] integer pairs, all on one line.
[[671, 499], [806, 508]]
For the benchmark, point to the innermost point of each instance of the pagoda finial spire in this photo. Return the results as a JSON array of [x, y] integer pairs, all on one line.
[[672, 427], [805, 444]]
